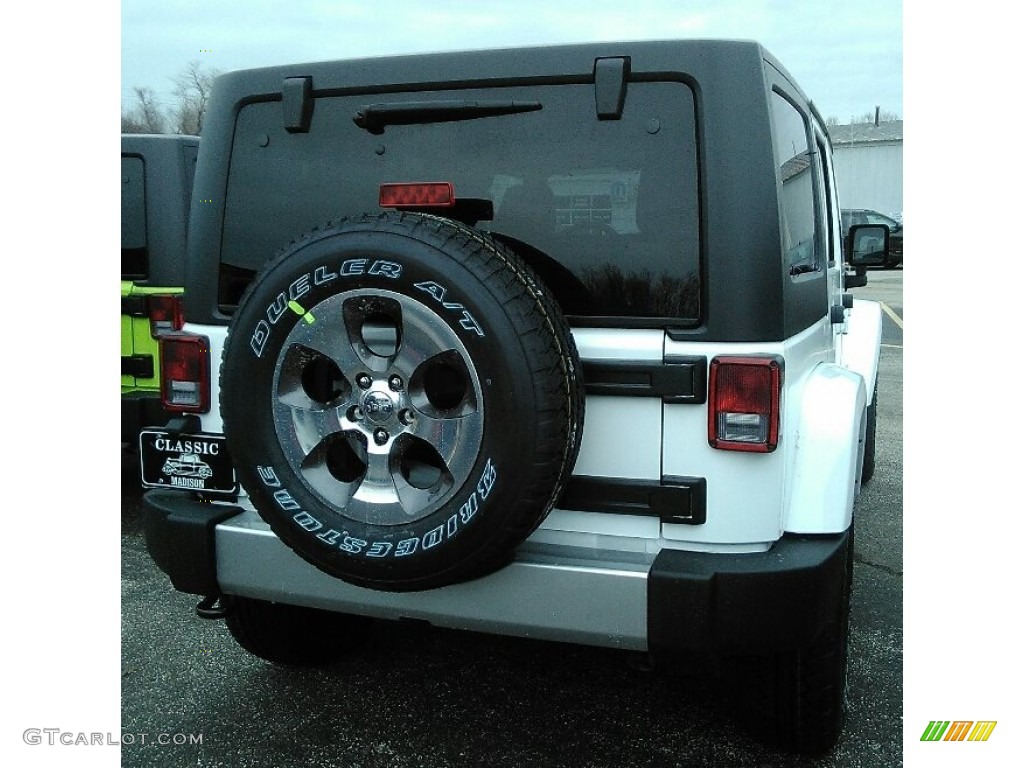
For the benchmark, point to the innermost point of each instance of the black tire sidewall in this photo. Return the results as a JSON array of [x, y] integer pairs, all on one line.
[[476, 512], [870, 438]]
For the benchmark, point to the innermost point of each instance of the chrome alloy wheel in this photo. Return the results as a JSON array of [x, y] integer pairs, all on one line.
[[377, 406]]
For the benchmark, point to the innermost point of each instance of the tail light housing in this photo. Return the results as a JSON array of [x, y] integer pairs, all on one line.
[[165, 313], [185, 372], [744, 394]]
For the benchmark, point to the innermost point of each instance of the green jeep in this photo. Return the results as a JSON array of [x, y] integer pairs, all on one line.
[[156, 194]]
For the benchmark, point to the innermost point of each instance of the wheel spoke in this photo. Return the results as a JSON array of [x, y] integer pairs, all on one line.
[[378, 472], [330, 340], [449, 436], [309, 379], [335, 466], [412, 499], [418, 344], [311, 426], [377, 501], [316, 472]]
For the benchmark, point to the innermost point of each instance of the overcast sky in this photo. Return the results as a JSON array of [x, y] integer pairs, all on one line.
[[847, 56]]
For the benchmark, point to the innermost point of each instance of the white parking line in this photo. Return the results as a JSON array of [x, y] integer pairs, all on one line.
[[892, 346], [895, 318]]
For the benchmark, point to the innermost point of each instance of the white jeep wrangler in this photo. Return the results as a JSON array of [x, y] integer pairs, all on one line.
[[418, 273]]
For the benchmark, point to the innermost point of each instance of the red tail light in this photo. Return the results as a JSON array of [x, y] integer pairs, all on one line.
[[185, 373], [432, 194], [743, 403], [165, 313]]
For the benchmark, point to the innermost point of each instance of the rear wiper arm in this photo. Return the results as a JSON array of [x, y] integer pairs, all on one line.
[[373, 117]]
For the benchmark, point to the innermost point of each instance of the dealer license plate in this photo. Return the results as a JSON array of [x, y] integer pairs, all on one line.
[[186, 461]]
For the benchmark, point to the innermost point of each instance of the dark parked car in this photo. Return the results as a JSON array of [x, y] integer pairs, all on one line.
[[853, 216]]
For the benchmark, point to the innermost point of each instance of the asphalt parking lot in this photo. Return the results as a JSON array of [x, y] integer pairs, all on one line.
[[421, 696]]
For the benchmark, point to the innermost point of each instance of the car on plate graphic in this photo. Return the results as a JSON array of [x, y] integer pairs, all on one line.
[[187, 465]]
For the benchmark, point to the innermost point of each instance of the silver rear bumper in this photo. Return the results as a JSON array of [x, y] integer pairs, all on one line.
[[582, 596], [671, 602]]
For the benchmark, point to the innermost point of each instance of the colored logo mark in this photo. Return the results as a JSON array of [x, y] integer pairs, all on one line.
[[295, 307], [958, 730]]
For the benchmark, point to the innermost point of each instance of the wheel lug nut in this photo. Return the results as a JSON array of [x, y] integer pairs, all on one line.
[[395, 382], [356, 414], [406, 416], [380, 436], [364, 381]]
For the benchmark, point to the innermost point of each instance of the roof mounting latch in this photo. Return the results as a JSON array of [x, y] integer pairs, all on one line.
[[297, 100], [610, 77]]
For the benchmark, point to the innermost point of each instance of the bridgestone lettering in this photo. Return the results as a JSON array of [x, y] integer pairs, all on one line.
[[380, 549]]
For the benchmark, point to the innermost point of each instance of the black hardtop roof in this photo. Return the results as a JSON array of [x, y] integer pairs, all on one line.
[[473, 66], [159, 137], [133, 141]]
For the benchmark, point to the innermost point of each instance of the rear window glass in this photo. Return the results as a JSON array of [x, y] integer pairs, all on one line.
[[796, 195], [133, 217], [607, 209]]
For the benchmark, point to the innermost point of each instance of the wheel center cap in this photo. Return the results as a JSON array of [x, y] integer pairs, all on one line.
[[378, 406]]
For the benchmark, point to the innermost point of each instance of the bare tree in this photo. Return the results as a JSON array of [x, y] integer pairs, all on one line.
[[130, 125], [192, 89], [152, 116], [145, 116]]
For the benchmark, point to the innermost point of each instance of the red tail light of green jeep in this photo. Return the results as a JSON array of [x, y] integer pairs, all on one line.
[[185, 373], [743, 403], [165, 313]]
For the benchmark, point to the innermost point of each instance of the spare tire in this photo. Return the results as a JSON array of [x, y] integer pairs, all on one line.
[[401, 399]]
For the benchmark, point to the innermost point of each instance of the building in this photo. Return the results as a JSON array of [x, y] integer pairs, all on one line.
[[869, 165]]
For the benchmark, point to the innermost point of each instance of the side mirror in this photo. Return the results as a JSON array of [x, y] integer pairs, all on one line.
[[867, 245], [856, 279]]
